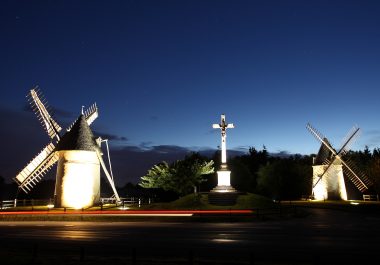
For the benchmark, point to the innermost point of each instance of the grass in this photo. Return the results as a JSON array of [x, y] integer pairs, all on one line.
[[354, 206], [200, 202], [188, 202], [263, 208]]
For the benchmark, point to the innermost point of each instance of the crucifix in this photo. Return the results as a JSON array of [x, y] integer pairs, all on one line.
[[223, 126], [223, 173]]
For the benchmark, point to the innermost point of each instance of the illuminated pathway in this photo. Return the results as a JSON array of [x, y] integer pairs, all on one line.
[[324, 237]]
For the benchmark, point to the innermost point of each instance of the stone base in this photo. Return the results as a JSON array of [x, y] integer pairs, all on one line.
[[223, 198], [223, 195], [224, 177], [223, 189]]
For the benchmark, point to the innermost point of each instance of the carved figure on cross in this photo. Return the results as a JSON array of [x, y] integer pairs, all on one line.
[[223, 126]]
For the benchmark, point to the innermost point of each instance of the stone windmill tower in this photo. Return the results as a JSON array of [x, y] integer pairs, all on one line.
[[79, 158], [330, 168]]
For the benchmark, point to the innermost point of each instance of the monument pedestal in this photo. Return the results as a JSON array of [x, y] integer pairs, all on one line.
[[224, 183], [223, 193], [223, 189]]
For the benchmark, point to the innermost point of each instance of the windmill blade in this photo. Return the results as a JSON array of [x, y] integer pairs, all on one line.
[[110, 179], [326, 162], [362, 182], [37, 168], [39, 106], [320, 137], [326, 172], [91, 113], [350, 138]]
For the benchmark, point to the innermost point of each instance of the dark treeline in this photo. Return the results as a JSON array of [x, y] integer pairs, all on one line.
[[369, 163], [10, 191], [287, 177], [277, 177]]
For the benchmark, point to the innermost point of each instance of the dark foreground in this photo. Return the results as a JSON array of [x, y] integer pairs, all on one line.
[[323, 237]]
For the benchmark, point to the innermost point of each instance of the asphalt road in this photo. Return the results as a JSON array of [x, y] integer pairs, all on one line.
[[323, 237]]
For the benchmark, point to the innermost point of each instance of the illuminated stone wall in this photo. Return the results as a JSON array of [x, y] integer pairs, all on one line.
[[224, 178], [77, 179], [332, 185]]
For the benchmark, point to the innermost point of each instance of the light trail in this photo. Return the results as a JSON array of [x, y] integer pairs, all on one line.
[[132, 212]]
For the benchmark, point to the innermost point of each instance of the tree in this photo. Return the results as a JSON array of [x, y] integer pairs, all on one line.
[[244, 169], [2, 187], [241, 177], [373, 172], [181, 176], [285, 178], [159, 176]]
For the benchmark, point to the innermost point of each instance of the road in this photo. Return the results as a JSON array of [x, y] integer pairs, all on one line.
[[323, 237]]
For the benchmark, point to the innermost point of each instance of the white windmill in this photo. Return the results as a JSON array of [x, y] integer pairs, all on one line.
[[78, 154], [330, 168]]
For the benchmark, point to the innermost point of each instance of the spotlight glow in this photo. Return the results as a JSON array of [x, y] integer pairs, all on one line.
[[78, 175], [332, 182], [224, 178]]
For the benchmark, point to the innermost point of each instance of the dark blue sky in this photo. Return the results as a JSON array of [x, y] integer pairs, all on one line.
[[162, 72]]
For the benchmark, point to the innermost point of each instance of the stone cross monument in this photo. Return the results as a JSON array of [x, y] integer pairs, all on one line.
[[224, 184]]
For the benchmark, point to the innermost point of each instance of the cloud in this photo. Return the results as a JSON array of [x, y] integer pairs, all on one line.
[[372, 138], [242, 148], [23, 137], [281, 154], [59, 113], [111, 137], [133, 161], [166, 149], [146, 145]]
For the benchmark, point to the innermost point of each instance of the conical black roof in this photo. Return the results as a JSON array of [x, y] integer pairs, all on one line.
[[80, 137], [324, 153]]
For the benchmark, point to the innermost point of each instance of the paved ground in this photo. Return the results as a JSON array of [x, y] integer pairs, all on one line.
[[324, 237]]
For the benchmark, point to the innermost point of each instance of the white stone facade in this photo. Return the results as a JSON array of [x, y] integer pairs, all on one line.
[[331, 185], [77, 179]]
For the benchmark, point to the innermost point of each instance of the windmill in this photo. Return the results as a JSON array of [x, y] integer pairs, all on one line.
[[78, 154], [330, 168]]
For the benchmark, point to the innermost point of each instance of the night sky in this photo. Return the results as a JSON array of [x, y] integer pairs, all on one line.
[[161, 72]]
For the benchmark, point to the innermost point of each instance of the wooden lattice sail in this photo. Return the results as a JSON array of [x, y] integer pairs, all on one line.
[[329, 164], [78, 155]]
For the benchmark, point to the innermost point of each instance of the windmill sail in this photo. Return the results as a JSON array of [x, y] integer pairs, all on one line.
[[360, 180], [77, 154], [91, 113], [51, 127], [349, 139], [37, 168], [320, 137], [326, 172]]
